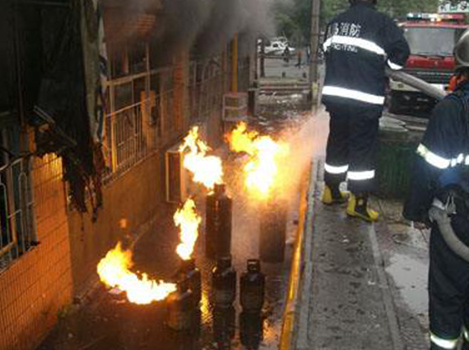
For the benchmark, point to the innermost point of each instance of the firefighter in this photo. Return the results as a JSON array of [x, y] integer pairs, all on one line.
[[441, 184], [358, 44]]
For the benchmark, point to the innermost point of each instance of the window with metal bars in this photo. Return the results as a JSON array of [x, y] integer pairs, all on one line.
[[17, 222]]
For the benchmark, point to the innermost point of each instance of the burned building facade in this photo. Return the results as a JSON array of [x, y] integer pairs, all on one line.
[[92, 96]]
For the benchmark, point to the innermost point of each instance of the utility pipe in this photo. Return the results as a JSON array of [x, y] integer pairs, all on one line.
[[234, 64], [416, 83], [314, 49]]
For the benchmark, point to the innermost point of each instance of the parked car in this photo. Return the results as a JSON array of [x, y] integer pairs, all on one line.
[[276, 48]]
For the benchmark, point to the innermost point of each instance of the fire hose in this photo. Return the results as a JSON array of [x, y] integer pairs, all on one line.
[[416, 83], [443, 220]]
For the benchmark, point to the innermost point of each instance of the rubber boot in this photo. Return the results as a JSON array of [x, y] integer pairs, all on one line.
[[358, 208], [332, 195]]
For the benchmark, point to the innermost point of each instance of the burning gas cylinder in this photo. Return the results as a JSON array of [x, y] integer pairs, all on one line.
[[252, 287], [218, 223], [223, 283], [180, 306], [188, 271], [224, 326], [272, 230], [251, 330]]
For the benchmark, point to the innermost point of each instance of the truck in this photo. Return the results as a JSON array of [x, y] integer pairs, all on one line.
[[431, 38]]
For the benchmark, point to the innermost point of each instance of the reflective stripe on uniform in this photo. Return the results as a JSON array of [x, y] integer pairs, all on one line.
[[357, 42], [432, 158], [394, 66], [458, 160], [361, 175], [440, 162], [444, 343], [335, 169], [353, 94]]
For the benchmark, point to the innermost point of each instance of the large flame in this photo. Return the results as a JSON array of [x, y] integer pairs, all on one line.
[[206, 169], [114, 271], [262, 169], [188, 221]]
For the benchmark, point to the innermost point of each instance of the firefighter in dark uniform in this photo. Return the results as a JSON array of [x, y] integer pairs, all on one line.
[[441, 185], [359, 43]]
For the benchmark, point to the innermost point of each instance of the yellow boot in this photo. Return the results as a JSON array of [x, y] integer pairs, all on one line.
[[358, 208], [330, 196]]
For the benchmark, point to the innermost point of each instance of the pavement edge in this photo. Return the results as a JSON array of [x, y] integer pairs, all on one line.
[[301, 268]]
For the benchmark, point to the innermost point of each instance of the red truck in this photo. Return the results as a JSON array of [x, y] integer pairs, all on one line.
[[431, 39]]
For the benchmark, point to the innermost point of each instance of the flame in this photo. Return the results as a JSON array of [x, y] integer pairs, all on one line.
[[114, 271], [188, 221], [262, 169], [206, 170]]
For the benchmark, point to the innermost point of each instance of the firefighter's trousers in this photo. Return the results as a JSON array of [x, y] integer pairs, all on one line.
[[448, 288], [351, 147]]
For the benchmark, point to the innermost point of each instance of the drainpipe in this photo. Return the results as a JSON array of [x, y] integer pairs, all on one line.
[[314, 46], [234, 64]]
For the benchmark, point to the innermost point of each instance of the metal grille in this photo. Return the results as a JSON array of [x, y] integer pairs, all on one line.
[[141, 105], [435, 77], [142, 114], [17, 222], [205, 88], [129, 145]]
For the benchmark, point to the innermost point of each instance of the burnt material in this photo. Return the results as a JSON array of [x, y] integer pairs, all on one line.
[[252, 287], [223, 283], [188, 271], [219, 208], [181, 308], [272, 230]]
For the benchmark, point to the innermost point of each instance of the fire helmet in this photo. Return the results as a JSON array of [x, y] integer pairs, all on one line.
[[461, 51]]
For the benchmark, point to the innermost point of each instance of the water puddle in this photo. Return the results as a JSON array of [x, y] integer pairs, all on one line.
[[410, 276]]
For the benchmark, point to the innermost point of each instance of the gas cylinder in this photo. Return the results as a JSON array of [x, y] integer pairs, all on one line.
[[272, 230], [191, 273], [224, 326], [252, 287], [251, 330], [223, 283], [180, 306], [218, 223]]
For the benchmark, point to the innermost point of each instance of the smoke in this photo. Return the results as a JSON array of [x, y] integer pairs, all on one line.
[[210, 24], [302, 146]]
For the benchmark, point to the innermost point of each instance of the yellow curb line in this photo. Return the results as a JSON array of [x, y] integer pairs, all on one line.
[[289, 314]]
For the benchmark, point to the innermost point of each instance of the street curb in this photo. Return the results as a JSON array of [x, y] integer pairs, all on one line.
[[301, 268], [385, 289]]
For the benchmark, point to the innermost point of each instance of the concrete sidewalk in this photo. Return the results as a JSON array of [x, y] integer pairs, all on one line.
[[363, 286]]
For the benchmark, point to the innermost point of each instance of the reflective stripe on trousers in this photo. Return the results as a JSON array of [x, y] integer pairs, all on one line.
[[361, 175], [444, 343], [351, 175], [336, 170]]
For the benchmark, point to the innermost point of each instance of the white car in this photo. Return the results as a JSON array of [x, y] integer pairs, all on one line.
[[276, 48]]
